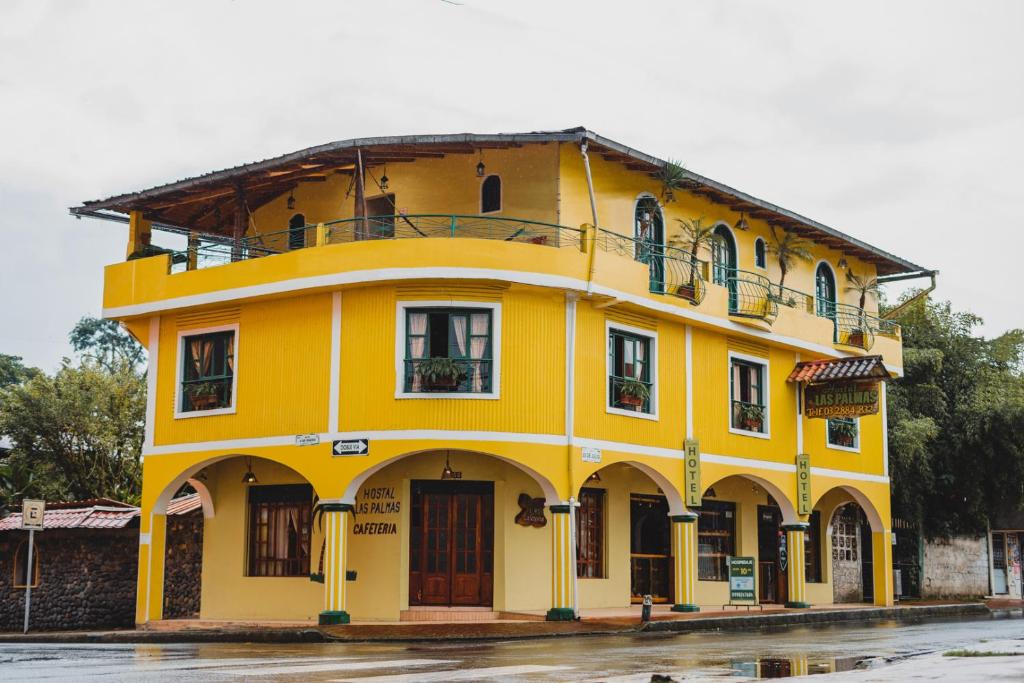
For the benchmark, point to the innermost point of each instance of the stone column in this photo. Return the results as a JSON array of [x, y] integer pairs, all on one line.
[[563, 559], [335, 562], [795, 576], [684, 562]]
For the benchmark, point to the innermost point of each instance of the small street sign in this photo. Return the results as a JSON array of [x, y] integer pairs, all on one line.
[[591, 454], [32, 514], [307, 439], [351, 447], [741, 580]]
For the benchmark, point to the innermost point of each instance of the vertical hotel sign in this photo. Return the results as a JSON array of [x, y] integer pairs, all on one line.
[[692, 473], [803, 484]]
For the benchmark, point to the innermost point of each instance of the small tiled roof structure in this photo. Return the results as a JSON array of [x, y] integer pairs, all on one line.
[[96, 513], [838, 369], [184, 504]]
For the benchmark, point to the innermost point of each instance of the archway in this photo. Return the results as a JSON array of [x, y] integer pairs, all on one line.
[[849, 523], [825, 293]]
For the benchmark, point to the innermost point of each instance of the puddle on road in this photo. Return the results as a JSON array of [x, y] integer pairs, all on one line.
[[787, 667]]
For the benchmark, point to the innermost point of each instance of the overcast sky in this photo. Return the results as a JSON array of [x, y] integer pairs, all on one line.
[[901, 123]]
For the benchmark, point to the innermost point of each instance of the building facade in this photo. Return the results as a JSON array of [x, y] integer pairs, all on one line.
[[420, 374]]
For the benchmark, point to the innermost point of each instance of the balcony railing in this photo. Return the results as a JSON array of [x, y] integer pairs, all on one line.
[[748, 416], [672, 271], [751, 296], [451, 226]]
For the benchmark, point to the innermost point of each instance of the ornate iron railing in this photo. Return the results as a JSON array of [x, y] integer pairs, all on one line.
[[474, 377], [748, 416], [751, 296], [451, 226], [672, 271]]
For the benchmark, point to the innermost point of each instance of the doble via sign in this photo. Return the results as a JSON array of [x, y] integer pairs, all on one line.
[[351, 447]]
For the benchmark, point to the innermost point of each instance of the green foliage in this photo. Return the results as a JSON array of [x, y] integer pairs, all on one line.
[[635, 389], [440, 371], [672, 176], [863, 286], [956, 422], [13, 371], [106, 342], [76, 434], [788, 248]]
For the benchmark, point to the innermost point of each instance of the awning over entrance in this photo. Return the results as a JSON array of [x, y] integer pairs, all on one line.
[[840, 369]]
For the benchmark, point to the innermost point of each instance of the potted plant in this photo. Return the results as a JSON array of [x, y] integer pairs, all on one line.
[[440, 374], [693, 237], [202, 395], [843, 433], [788, 249], [751, 417], [864, 286], [633, 393], [672, 176]]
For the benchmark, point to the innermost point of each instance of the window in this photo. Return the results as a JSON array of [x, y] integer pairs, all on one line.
[[490, 194], [21, 565], [760, 260], [380, 223], [279, 529], [843, 432], [812, 549], [297, 232], [630, 387], [844, 535], [824, 292], [590, 534], [723, 256], [716, 539], [749, 404], [208, 372], [448, 350]]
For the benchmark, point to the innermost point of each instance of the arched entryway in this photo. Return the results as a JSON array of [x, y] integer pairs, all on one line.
[[850, 525]]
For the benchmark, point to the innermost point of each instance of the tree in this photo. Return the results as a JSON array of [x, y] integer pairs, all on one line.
[[106, 342], [694, 237], [864, 286], [13, 371], [78, 432], [788, 249]]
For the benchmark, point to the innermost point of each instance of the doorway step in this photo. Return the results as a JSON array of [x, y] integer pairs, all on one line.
[[463, 614]]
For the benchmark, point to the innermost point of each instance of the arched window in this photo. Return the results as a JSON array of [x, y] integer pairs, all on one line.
[[21, 562], [825, 291], [490, 194], [760, 260], [723, 255], [649, 231], [297, 232]]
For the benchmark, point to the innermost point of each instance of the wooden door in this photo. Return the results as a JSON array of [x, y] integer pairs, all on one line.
[[451, 543], [772, 555], [650, 543]]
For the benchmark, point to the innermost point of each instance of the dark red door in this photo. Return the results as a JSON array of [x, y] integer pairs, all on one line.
[[451, 543]]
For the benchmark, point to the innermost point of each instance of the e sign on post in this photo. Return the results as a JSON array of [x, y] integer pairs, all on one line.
[[741, 580], [32, 514], [692, 473]]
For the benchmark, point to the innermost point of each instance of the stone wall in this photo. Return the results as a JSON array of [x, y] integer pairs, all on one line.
[[955, 567], [184, 566], [87, 579]]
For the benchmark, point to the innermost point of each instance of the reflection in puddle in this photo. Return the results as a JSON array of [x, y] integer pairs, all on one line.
[[799, 665]]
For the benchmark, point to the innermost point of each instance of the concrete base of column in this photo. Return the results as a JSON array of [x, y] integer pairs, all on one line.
[[797, 605], [685, 608], [332, 618], [560, 614]]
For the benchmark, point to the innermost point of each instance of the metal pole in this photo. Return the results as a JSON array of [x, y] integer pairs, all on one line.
[[29, 576]]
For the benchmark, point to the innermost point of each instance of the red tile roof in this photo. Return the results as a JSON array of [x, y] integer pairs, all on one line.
[[867, 367], [184, 504], [60, 516]]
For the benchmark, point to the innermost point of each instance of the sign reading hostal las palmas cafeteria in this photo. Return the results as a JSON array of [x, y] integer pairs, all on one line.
[[841, 399], [692, 473], [741, 579]]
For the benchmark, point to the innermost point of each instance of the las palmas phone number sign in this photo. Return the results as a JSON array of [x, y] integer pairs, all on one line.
[[849, 399]]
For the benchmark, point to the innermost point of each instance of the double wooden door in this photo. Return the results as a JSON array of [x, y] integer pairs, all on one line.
[[773, 556], [451, 543]]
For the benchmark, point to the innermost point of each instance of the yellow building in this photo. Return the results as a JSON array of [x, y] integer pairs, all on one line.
[[413, 375]]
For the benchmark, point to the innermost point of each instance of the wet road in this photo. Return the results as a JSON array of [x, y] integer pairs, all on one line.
[[596, 658]]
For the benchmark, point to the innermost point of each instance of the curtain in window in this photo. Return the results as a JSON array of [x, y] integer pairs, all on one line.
[[202, 356], [640, 361], [458, 336], [231, 354], [417, 344], [478, 347]]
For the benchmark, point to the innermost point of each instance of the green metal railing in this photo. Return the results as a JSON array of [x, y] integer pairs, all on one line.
[[751, 296], [672, 271], [451, 226]]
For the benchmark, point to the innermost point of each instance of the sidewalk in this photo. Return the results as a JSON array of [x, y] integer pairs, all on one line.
[[592, 622]]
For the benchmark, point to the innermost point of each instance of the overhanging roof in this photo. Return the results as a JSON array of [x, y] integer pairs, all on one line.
[[207, 202], [839, 369]]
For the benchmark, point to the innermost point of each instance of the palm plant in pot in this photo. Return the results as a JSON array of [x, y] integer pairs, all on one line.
[[751, 417], [672, 176], [788, 248], [693, 237], [864, 286], [202, 395], [842, 433], [440, 374], [633, 394]]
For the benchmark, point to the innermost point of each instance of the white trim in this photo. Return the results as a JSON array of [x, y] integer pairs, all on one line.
[[652, 361], [764, 250], [735, 242], [856, 440], [152, 365], [335, 364], [145, 537], [688, 373], [570, 366], [846, 474], [885, 431], [460, 273], [400, 317], [747, 462], [180, 361], [636, 449], [501, 194], [766, 381]]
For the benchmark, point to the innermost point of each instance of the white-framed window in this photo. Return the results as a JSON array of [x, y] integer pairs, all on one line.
[[760, 254], [749, 398], [632, 371], [206, 382], [491, 194], [448, 349], [843, 433]]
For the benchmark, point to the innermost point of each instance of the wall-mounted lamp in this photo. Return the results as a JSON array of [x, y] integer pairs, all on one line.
[[742, 224], [384, 180], [248, 477], [291, 200], [842, 263], [710, 493], [480, 168], [447, 472], [595, 477]]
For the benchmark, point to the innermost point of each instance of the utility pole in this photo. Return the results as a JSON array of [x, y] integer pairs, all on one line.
[[31, 520]]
